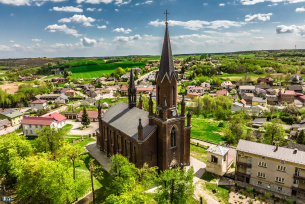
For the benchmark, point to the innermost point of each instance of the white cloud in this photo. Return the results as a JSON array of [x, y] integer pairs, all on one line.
[[16, 46], [12, 41], [117, 2], [197, 24], [145, 2], [87, 42], [91, 9], [67, 9], [86, 21], [27, 2], [192, 36], [252, 2], [122, 30], [302, 9], [290, 29], [255, 31], [61, 46], [12, 14], [222, 4], [258, 38], [205, 4], [122, 2], [36, 40], [102, 27], [127, 39], [39, 3], [258, 17], [62, 28], [5, 48], [99, 9], [117, 10]]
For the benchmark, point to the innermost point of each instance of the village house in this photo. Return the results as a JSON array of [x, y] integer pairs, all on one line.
[[60, 119], [39, 105], [247, 97], [124, 90], [91, 114], [48, 97], [12, 115], [270, 91], [246, 89], [71, 115], [296, 79], [271, 168], [222, 93], [152, 76], [226, 84], [218, 160], [125, 77], [100, 80], [62, 98], [206, 86], [4, 123], [286, 96], [144, 89], [259, 101], [258, 122], [30, 125], [193, 95], [195, 89], [262, 86], [70, 93], [266, 80], [297, 89]]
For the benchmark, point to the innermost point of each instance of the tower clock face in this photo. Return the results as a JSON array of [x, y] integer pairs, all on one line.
[[174, 113]]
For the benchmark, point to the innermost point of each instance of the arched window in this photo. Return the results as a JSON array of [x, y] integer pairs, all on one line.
[[173, 137], [158, 96], [173, 96]]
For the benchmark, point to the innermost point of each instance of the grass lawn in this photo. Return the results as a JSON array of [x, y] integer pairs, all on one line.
[[223, 192], [207, 129], [112, 101], [208, 176], [235, 77], [53, 76], [67, 128], [97, 70], [199, 153]]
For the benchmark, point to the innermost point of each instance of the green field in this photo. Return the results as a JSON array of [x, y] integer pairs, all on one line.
[[207, 130], [97, 70]]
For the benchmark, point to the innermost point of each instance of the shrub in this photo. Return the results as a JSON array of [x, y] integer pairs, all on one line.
[[241, 197], [221, 124], [267, 195], [249, 190]]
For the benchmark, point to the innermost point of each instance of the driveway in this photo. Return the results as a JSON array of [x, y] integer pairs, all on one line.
[[75, 131]]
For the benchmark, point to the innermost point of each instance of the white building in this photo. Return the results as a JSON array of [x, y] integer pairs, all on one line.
[[38, 105]]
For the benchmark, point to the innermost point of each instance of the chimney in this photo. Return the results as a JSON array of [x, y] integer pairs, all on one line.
[[295, 151], [140, 130], [276, 147]]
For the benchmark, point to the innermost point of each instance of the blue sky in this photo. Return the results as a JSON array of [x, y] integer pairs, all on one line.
[[85, 28]]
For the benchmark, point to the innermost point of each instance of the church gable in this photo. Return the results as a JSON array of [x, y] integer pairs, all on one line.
[[126, 120]]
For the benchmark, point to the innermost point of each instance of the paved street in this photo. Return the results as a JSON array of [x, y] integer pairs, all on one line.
[[9, 129], [75, 131]]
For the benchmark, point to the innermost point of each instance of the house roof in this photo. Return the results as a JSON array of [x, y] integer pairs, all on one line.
[[37, 121], [259, 99], [91, 114], [295, 88], [282, 153], [11, 113], [4, 122], [287, 92], [221, 92], [300, 147], [38, 101], [217, 149], [243, 101], [259, 120], [56, 116], [246, 87], [295, 125], [126, 120], [124, 88]]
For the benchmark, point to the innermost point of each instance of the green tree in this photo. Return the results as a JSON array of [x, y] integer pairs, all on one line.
[[119, 71], [274, 131], [301, 138], [67, 74], [175, 186], [73, 152], [45, 181], [50, 139], [85, 118], [13, 150], [237, 128]]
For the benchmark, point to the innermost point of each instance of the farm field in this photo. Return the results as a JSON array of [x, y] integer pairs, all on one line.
[[207, 130], [97, 70], [235, 77], [10, 88]]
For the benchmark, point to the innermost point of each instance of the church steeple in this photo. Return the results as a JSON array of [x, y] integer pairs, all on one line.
[[166, 63], [132, 92]]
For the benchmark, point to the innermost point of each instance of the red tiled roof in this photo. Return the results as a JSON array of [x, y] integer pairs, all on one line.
[[193, 93], [124, 88], [56, 116], [243, 101], [37, 121], [91, 114], [39, 101], [221, 92], [287, 92], [144, 89], [302, 97]]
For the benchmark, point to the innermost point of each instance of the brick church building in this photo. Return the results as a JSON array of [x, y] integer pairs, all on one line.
[[157, 137]]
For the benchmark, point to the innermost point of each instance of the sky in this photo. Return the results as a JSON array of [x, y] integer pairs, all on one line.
[[96, 28]]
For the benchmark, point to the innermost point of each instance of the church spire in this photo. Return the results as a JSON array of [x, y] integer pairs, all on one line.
[[166, 63], [132, 92]]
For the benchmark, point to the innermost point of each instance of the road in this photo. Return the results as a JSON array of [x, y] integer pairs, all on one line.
[[143, 77], [9, 130], [75, 131]]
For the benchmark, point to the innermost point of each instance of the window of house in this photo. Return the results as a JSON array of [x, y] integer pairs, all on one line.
[[279, 188], [259, 183], [173, 137], [295, 181], [261, 175], [263, 157], [214, 159], [262, 164], [30, 126], [26, 132], [281, 168], [279, 179]]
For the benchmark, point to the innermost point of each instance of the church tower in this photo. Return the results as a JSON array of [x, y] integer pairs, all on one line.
[[132, 92], [173, 135]]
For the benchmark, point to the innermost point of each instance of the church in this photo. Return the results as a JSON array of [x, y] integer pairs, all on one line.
[[158, 137]]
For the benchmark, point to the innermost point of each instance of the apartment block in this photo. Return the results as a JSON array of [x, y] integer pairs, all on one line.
[[276, 169]]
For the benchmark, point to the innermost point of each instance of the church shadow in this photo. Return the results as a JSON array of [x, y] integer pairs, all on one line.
[[199, 173]]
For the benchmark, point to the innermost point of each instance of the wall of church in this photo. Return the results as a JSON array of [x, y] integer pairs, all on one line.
[[166, 89], [148, 151]]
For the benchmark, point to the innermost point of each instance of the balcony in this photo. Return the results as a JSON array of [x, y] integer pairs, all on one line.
[[244, 164], [298, 189], [242, 174], [297, 177]]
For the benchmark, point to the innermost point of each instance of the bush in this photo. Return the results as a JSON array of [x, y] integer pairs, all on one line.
[[289, 202], [267, 195], [249, 190], [221, 124]]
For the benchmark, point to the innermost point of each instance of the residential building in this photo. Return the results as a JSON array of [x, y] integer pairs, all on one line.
[[12, 115], [4, 123], [39, 105], [71, 115], [193, 95], [151, 76], [222, 93], [295, 88], [125, 77], [218, 160], [258, 122], [30, 125], [91, 114], [270, 168], [286, 96], [124, 90], [263, 86], [270, 91], [48, 97], [266, 80], [226, 84], [205, 86], [195, 89], [259, 101], [62, 98], [60, 119], [246, 89], [296, 79]]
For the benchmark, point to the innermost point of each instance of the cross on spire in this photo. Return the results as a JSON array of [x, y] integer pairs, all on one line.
[[166, 13]]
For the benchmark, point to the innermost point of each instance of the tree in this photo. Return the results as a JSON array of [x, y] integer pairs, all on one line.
[[45, 181], [13, 150], [85, 118], [73, 152], [67, 74], [274, 131], [119, 71], [50, 139], [175, 186], [237, 128], [301, 138]]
